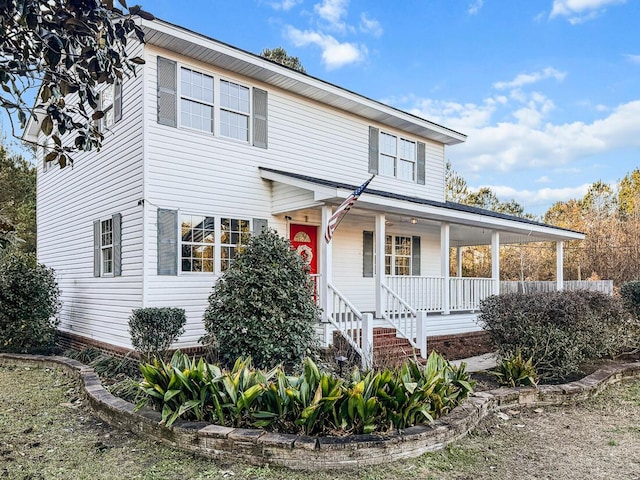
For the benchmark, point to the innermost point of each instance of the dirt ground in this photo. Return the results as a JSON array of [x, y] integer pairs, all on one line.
[[47, 433]]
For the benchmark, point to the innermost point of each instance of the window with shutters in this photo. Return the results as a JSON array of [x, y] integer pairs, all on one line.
[[397, 157], [106, 247], [397, 255], [196, 100], [200, 244]]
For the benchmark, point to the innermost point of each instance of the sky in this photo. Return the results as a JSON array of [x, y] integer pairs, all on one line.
[[547, 91]]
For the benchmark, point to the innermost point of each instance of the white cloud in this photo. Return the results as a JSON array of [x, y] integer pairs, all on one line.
[[475, 7], [544, 179], [543, 196], [529, 78], [332, 12], [334, 53], [580, 11], [633, 58], [284, 5], [370, 25]]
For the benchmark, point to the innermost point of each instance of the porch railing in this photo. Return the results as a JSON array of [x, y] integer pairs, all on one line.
[[400, 315], [466, 293], [422, 293], [604, 286], [356, 328]]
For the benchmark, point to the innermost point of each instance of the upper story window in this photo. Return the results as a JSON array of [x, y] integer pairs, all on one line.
[[394, 156], [196, 100], [234, 111], [110, 102], [397, 157]]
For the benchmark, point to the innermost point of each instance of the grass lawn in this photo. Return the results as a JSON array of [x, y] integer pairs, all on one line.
[[47, 433]]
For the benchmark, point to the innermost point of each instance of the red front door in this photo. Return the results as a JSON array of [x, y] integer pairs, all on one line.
[[304, 239]]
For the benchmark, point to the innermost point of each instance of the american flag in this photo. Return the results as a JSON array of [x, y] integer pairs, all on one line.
[[342, 210]]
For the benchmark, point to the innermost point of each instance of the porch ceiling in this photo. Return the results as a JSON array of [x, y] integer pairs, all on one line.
[[469, 225]]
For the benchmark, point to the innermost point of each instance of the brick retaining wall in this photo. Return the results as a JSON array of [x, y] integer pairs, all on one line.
[[259, 447]]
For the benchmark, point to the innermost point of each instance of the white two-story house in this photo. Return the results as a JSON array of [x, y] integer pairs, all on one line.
[[209, 143]]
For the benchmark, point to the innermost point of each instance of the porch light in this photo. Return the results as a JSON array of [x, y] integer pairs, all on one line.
[[414, 221]]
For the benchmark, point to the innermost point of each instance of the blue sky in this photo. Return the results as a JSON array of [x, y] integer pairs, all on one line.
[[547, 91]]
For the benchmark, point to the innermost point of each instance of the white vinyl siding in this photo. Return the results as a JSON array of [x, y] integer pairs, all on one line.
[[70, 200], [208, 175]]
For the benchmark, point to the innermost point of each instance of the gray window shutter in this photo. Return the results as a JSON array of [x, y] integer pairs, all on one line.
[[367, 254], [421, 176], [117, 244], [415, 256], [96, 248], [167, 242], [260, 137], [260, 225], [374, 146], [167, 91], [117, 101]]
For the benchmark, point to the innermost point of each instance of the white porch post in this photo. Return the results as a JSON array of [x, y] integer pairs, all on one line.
[[326, 259], [495, 262], [559, 265], [444, 266], [380, 241], [459, 262]]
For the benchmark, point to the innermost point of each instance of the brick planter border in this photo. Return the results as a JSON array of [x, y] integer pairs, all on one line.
[[259, 447]]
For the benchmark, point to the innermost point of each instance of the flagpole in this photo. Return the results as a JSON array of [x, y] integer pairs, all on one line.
[[342, 217]]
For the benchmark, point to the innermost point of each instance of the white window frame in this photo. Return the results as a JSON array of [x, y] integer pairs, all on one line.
[[397, 156], [220, 263], [103, 123], [199, 101], [106, 248], [393, 256], [216, 105], [229, 246]]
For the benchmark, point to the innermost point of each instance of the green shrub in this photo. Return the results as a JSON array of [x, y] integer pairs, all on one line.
[[29, 303], [558, 330], [515, 371], [263, 306], [311, 403], [154, 330], [630, 293]]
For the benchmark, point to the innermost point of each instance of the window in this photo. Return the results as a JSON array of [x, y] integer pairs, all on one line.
[[46, 150], [397, 255], [110, 102], [192, 99], [397, 157], [198, 243], [234, 235], [106, 247], [196, 102], [234, 111]]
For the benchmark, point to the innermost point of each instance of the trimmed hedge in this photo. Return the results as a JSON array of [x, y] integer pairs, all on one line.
[[153, 330], [29, 303], [630, 293], [558, 330], [262, 307]]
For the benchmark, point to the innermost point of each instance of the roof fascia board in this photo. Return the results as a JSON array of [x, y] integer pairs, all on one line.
[[451, 137]]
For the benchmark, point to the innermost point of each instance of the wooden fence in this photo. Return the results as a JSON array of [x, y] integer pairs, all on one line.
[[604, 286]]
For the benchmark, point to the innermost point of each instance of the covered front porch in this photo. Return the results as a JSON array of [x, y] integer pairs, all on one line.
[[397, 261]]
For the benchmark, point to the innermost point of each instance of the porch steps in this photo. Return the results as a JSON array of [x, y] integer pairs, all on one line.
[[390, 350]]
